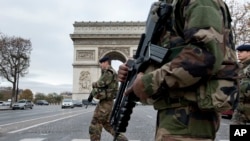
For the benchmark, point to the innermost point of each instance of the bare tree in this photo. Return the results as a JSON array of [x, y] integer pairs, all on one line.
[[240, 13], [14, 60]]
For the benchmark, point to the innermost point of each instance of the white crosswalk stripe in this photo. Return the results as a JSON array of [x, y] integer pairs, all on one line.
[[33, 139], [89, 140], [41, 139]]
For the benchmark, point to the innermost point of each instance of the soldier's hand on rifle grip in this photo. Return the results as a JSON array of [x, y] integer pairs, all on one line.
[[138, 88], [122, 72], [90, 98]]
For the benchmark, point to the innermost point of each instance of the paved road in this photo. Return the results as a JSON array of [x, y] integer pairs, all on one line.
[[51, 123]]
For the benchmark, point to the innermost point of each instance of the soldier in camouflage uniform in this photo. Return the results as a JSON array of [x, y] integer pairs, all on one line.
[[105, 90], [202, 69], [242, 112]]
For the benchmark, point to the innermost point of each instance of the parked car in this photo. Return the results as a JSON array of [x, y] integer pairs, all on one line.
[[1, 103], [77, 103], [67, 103], [6, 103], [22, 104], [42, 102]]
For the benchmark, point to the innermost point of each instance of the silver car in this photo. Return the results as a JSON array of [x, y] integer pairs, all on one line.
[[67, 103], [22, 104]]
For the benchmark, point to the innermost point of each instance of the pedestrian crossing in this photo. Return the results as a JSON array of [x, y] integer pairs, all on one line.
[[42, 139]]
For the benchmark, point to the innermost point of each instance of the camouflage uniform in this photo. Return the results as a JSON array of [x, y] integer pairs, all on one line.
[[242, 112], [202, 61], [104, 90]]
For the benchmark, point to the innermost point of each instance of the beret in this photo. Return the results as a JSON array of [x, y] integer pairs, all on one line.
[[103, 59], [243, 48]]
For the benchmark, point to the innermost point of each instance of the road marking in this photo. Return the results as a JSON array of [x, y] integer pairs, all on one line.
[[224, 124], [89, 140], [36, 125], [149, 116], [41, 139], [40, 118], [33, 139]]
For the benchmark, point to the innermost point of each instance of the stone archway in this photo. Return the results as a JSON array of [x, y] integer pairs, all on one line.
[[93, 40]]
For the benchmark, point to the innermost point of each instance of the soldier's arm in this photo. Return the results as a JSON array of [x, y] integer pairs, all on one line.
[[245, 87], [104, 80], [198, 58]]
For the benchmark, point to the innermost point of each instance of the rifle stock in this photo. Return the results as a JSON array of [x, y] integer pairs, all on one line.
[[147, 52]]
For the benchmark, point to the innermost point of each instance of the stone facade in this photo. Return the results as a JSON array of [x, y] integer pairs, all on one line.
[[93, 40]]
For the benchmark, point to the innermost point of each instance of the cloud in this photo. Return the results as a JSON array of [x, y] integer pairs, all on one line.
[[49, 23], [38, 87]]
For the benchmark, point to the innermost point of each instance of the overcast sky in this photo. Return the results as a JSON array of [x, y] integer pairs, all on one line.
[[48, 23]]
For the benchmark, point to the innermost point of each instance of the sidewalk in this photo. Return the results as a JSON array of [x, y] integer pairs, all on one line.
[[5, 108]]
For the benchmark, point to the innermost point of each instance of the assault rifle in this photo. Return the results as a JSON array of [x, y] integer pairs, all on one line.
[[147, 52], [90, 98]]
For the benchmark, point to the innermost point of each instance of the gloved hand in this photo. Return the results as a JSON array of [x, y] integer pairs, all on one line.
[[138, 88], [122, 72], [90, 98]]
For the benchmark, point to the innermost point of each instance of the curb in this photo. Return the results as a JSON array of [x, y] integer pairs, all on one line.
[[2, 109]]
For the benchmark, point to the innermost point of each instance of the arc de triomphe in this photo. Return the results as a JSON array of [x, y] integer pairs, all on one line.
[[93, 40]]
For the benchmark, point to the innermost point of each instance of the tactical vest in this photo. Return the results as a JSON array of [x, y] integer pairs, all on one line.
[[110, 89], [244, 89]]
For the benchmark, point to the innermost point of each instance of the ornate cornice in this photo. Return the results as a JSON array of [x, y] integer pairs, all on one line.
[[106, 41], [110, 23], [104, 28]]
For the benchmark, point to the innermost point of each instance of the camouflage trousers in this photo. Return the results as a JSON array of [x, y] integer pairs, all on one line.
[[241, 114], [101, 120], [186, 124]]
